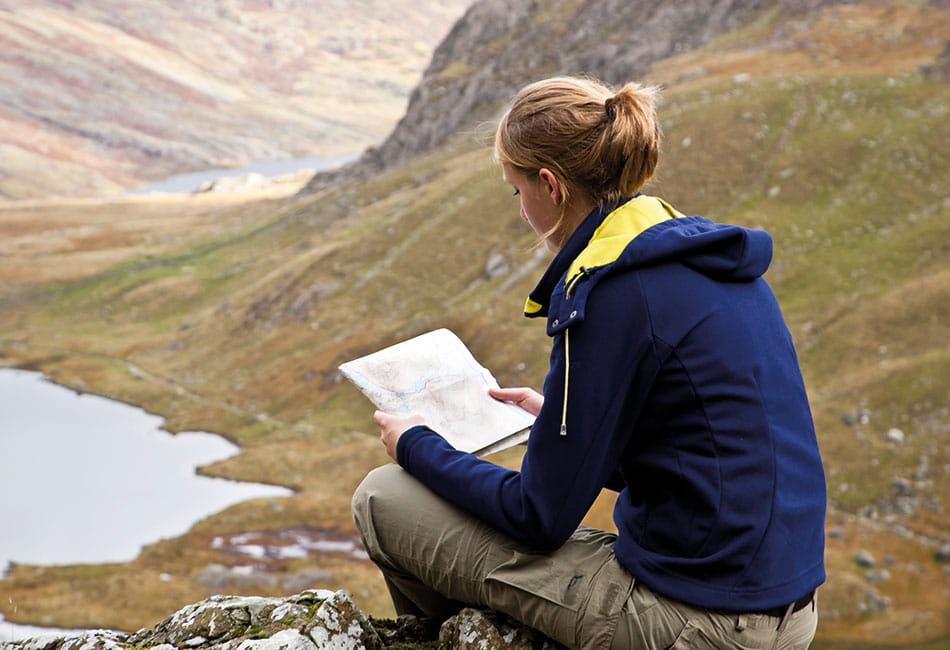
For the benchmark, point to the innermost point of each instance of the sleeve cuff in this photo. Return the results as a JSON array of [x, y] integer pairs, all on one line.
[[407, 440]]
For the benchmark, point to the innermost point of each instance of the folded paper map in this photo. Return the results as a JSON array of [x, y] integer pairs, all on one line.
[[434, 375]]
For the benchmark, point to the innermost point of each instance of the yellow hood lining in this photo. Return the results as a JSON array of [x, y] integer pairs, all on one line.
[[618, 229]]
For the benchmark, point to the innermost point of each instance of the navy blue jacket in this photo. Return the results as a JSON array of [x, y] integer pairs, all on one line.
[[673, 377]]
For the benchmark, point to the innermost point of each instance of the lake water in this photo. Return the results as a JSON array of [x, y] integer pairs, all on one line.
[[14, 631], [85, 479], [190, 182]]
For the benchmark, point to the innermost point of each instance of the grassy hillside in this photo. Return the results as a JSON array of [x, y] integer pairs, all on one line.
[[234, 318]]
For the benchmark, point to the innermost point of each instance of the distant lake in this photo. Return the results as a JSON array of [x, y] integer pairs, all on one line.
[[85, 479], [268, 168]]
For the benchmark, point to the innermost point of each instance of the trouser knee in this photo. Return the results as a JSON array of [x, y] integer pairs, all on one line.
[[376, 487]]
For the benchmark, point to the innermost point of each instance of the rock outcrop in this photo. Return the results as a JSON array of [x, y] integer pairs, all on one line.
[[310, 620], [498, 46]]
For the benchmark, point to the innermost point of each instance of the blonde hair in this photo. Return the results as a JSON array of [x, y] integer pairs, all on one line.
[[602, 145]]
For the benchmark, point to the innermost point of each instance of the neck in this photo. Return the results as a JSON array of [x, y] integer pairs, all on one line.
[[573, 216]]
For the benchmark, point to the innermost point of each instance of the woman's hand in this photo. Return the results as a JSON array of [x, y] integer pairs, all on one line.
[[393, 426], [527, 398]]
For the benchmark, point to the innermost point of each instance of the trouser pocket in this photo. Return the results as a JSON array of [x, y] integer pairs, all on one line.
[[574, 595], [540, 591]]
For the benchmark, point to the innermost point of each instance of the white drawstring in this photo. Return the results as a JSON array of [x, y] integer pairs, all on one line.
[[567, 374], [567, 347]]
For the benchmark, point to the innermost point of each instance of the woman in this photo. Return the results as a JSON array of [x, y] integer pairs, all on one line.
[[673, 380]]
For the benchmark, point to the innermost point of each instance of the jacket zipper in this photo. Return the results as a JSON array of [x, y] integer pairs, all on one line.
[[583, 271], [567, 374], [567, 350]]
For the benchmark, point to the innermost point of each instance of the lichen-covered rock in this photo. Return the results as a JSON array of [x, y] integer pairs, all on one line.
[[310, 620], [92, 640], [219, 619], [339, 624], [283, 640], [474, 629]]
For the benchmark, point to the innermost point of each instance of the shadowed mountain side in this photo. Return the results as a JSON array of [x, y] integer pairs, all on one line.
[[498, 46]]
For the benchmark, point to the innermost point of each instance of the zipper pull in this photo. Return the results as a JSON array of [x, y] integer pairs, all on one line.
[[570, 285]]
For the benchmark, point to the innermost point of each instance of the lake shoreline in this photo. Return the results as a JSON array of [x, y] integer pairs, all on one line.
[[167, 573], [79, 391], [89, 444], [268, 170]]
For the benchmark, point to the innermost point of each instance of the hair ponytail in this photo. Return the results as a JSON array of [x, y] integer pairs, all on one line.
[[602, 145], [631, 139]]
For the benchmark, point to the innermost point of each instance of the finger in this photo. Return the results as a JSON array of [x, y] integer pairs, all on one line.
[[508, 394]]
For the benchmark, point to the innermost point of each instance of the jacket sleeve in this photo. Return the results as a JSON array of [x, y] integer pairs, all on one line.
[[612, 364]]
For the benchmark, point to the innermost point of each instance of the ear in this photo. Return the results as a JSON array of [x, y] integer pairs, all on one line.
[[551, 185]]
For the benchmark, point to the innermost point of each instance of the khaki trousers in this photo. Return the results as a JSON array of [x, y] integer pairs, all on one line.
[[437, 558]]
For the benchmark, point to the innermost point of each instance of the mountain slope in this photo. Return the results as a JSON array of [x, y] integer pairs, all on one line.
[[821, 129], [97, 97], [497, 47]]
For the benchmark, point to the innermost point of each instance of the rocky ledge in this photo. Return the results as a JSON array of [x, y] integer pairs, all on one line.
[[310, 620]]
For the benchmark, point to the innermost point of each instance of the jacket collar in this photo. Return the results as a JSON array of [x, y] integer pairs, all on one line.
[[540, 297], [596, 244]]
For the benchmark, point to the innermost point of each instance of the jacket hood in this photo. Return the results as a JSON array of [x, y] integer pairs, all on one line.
[[721, 251], [644, 231]]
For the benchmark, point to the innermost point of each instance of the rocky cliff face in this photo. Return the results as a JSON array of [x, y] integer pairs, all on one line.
[[102, 96], [498, 46], [311, 620]]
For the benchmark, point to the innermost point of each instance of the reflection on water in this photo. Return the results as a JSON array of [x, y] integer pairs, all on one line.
[[85, 479]]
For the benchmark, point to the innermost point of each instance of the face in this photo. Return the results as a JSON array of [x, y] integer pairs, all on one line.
[[540, 199]]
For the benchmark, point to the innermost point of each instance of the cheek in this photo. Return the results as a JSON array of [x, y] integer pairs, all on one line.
[[528, 207]]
